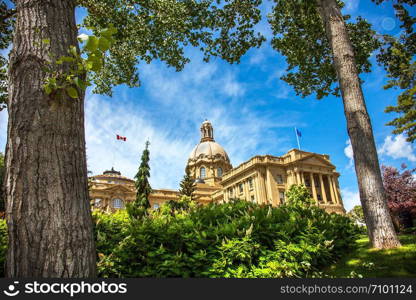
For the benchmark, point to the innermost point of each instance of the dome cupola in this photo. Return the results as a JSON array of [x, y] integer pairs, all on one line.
[[208, 160]]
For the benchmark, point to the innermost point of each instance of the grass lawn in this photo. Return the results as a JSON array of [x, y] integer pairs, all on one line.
[[368, 262]]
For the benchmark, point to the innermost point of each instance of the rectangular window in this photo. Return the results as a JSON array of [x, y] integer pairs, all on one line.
[[240, 186], [253, 199], [250, 183], [319, 197], [279, 179], [230, 191], [282, 197]]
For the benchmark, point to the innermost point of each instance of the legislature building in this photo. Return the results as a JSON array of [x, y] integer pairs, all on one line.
[[262, 179]]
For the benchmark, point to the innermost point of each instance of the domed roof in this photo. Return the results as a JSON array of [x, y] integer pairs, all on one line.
[[209, 149], [110, 175]]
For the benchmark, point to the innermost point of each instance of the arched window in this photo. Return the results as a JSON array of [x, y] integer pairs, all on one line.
[[118, 203], [202, 172], [219, 172]]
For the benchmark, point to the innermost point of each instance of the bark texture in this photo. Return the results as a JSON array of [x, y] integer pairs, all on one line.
[[48, 214], [373, 198]]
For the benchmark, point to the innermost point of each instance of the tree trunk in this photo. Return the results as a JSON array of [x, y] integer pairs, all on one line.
[[48, 214], [373, 199]]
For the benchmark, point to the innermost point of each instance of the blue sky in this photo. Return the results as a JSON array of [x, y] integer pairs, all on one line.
[[252, 111]]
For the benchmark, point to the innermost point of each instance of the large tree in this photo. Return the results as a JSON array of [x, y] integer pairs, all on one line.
[[48, 215], [138, 208], [326, 54]]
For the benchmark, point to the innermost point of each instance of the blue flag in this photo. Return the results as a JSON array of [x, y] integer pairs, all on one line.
[[298, 133]]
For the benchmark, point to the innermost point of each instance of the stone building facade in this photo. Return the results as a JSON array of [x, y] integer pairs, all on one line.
[[261, 179]]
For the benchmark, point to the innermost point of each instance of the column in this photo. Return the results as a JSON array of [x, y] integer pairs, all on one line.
[[269, 186], [323, 192], [246, 191], [257, 188], [331, 189], [315, 196], [298, 180], [225, 194], [262, 189], [334, 186]]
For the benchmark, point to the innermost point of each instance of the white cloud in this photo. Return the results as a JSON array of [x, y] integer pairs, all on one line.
[[349, 153], [231, 87], [168, 152], [350, 198], [397, 147], [168, 109], [351, 5]]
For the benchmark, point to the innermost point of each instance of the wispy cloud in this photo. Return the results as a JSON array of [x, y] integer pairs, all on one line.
[[179, 104], [349, 153], [351, 5], [350, 198], [397, 147]]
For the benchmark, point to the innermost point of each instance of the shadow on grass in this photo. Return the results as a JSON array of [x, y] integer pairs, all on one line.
[[369, 262]]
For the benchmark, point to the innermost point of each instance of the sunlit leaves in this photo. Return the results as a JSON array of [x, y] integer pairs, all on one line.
[[300, 36], [6, 21], [161, 29], [398, 58], [80, 65]]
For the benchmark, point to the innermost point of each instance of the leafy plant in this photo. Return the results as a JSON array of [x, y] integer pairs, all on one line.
[[80, 64], [235, 239]]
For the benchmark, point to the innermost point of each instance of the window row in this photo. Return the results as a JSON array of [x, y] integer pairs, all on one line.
[[241, 187], [118, 203], [203, 173]]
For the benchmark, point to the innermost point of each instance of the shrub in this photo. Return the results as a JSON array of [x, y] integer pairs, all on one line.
[[236, 239]]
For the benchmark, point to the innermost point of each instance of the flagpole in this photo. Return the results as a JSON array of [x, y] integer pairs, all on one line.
[[297, 137]]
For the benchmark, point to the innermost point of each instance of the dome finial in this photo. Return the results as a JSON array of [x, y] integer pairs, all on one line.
[[207, 132]]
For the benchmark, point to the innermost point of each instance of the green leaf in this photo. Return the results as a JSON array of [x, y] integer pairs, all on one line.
[[46, 41], [79, 83], [108, 32], [72, 92], [92, 43], [103, 44], [48, 89]]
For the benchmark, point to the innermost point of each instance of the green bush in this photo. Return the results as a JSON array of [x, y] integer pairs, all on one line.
[[3, 245], [236, 239]]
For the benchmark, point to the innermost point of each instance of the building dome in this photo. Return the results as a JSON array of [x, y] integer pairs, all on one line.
[[208, 160], [209, 149]]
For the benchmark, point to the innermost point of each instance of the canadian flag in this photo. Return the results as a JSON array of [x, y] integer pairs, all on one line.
[[123, 138]]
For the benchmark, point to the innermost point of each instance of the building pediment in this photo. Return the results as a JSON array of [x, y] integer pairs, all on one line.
[[117, 188], [316, 160]]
